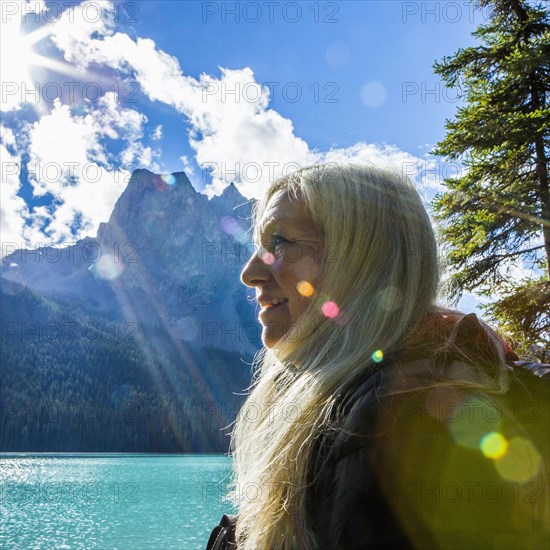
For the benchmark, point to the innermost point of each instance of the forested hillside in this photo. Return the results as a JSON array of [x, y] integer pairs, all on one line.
[[85, 383]]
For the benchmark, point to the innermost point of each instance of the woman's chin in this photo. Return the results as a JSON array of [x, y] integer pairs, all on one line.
[[272, 334], [271, 343]]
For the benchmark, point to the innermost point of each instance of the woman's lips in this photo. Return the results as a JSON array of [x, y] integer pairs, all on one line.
[[265, 310]]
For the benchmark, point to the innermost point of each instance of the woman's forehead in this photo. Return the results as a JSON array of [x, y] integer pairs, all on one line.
[[281, 200], [283, 207]]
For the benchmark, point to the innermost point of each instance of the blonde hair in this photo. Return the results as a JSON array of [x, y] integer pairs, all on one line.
[[380, 267]]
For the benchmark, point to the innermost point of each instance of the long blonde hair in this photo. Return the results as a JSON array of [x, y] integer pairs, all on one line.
[[381, 268]]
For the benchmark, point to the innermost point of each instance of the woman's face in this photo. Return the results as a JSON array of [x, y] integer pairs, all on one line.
[[284, 269]]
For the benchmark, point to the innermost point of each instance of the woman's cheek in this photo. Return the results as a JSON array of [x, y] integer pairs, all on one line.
[[307, 269]]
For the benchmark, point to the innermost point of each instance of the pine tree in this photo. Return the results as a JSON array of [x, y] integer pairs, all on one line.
[[496, 213]]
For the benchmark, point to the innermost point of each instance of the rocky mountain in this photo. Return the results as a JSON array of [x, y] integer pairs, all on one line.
[[168, 258], [138, 339], [74, 380]]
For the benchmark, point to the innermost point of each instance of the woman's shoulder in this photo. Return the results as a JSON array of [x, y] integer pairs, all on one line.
[[447, 349], [446, 334], [438, 443], [455, 363]]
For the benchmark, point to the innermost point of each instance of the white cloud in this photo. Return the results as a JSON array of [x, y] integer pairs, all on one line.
[[69, 160], [157, 133], [92, 200], [382, 156], [75, 27], [7, 136], [13, 209], [235, 137], [187, 166]]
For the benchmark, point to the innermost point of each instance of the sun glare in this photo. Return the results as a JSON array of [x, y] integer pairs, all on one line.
[[17, 58], [15, 53]]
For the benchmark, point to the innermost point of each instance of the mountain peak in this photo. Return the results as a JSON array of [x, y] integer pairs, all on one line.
[[230, 199], [145, 179], [146, 198], [231, 189]]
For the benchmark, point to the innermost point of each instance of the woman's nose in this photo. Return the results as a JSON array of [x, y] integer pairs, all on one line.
[[256, 271]]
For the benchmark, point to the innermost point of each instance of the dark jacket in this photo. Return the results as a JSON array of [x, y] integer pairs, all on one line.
[[406, 464], [409, 465]]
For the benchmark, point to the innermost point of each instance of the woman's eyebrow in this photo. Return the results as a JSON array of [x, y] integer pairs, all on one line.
[[270, 222], [291, 224]]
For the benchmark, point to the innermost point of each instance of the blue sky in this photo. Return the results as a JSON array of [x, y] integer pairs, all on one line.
[[371, 41], [351, 44], [223, 90]]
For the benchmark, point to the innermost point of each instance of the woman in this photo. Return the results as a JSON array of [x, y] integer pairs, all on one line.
[[372, 424]]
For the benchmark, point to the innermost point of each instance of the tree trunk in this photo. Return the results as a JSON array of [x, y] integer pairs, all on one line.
[[542, 173], [542, 168]]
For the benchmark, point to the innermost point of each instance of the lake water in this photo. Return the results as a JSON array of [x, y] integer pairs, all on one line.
[[111, 501]]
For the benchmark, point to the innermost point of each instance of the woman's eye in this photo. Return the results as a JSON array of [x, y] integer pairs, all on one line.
[[274, 243], [277, 240]]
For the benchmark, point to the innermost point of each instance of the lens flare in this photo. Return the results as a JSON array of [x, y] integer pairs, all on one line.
[[106, 269], [472, 419], [268, 258], [377, 356], [494, 445], [521, 463], [330, 309], [341, 319], [305, 289], [160, 184], [231, 226]]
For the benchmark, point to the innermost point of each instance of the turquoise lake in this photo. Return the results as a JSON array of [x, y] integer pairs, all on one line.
[[111, 501]]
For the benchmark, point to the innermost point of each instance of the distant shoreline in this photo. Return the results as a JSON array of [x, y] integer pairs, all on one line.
[[95, 454]]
